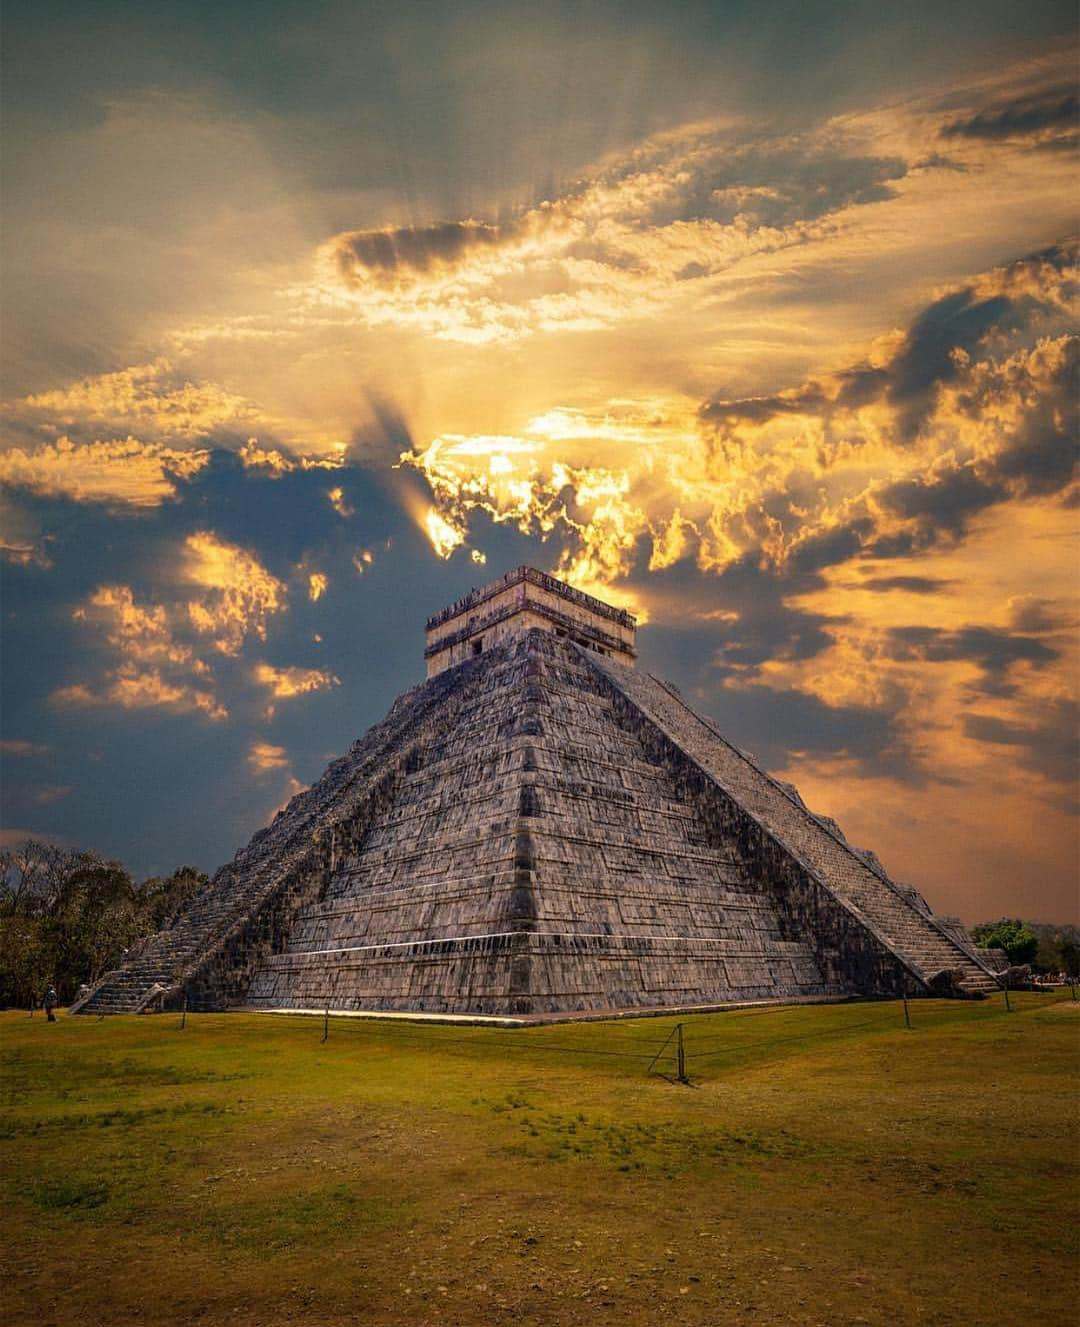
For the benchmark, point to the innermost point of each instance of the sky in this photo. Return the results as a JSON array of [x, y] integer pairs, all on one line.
[[757, 319]]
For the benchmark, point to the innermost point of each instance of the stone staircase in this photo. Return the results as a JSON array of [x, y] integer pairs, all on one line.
[[163, 961], [924, 946]]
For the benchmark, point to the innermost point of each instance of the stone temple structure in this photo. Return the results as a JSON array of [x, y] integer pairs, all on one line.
[[540, 828]]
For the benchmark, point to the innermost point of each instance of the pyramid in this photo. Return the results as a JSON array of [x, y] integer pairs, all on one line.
[[541, 829]]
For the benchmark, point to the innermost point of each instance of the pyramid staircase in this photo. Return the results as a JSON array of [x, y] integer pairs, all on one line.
[[293, 847]]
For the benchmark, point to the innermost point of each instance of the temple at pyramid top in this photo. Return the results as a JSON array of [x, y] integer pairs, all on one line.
[[521, 599]]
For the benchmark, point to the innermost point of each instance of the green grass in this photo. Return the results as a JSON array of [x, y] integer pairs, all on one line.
[[827, 1166]]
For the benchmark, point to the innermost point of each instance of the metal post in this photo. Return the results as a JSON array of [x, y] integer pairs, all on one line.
[[1008, 1006], [325, 1025], [680, 1051], [907, 1012], [183, 1015]]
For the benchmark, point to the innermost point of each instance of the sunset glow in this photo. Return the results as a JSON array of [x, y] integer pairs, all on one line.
[[785, 364]]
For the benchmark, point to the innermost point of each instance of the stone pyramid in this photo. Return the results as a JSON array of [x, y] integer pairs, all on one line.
[[542, 829]]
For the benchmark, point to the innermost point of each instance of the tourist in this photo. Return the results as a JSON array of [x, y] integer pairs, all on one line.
[[50, 1004]]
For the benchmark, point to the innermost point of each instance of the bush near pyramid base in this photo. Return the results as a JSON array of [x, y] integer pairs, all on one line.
[[541, 831]]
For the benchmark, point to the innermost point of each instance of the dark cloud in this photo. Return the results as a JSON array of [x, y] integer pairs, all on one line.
[[1052, 109], [784, 184], [860, 386], [1049, 747], [829, 547], [809, 399], [1041, 456], [907, 584], [396, 256], [850, 389], [1033, 615], [942, 503], [956, 322], [939, 343], [992, 650]]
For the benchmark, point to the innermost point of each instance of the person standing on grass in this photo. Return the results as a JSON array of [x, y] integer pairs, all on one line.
[[50, 1004]]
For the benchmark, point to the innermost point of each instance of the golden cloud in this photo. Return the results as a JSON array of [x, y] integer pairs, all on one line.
[[336, 498], [286, 683], [150, 399], [264, 757], [277, 463], [138, 474], [132, 690], [239, 594], [154, 668], [141, 633]]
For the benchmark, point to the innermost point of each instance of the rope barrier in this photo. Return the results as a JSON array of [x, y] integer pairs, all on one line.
[[684, 1052], [431, 1036], [777, 1041]]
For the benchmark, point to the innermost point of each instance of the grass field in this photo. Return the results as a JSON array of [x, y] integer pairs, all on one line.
[[827, 1166]]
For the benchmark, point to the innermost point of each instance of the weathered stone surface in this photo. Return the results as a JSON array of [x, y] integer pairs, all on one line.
[[542, 829], [522, 599]]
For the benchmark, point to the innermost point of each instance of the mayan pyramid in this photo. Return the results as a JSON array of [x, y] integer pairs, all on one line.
[[542, 828]]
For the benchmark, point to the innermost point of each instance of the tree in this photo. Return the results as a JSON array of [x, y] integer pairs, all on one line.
[[164, 897], [1014, 936], [68, 916]]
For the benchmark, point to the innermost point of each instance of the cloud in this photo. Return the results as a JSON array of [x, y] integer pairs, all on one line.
[[1035, 615], [287, 683], [277, 461], [995, 652], [687, 221], [18, 746], [972, 406], [336, 498], [1053, 111], [129, 689], [908, 584], [1047, 745], [238, 594], [154, 400], [153, 666], [680, 207], [141, 633], [398, 258], [264, 757], [129, 472]]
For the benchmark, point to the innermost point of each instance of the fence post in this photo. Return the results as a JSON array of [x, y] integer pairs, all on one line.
[[1008, 1006], [660, 1052], [183, 1015], [325, 1026], [681, 1056], [907, 1012]]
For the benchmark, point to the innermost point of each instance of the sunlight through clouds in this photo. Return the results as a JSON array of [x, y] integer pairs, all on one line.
[[785, 366]]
